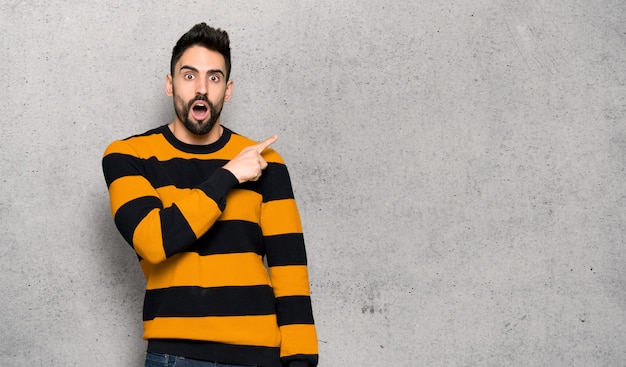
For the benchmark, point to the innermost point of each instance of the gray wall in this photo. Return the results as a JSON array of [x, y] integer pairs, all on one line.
[[459, 168]]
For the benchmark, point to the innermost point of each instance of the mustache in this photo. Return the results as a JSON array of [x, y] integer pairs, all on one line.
[[200, 97]]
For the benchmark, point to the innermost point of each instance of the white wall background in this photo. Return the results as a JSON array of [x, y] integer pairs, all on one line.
[[459, 167]]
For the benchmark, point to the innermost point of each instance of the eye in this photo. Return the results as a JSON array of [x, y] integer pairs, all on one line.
[[214, 78], [188, 76]]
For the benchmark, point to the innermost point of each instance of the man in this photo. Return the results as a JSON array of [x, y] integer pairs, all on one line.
[[202, 207]]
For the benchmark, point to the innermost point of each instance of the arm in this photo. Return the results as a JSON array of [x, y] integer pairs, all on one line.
[[157, 231], [286, 258]]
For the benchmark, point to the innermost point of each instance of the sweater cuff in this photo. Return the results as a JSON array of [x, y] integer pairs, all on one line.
[[218, 185]]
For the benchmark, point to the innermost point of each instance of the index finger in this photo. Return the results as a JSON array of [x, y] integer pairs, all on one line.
[[266, 143]]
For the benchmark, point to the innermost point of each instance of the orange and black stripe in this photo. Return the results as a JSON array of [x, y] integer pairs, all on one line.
[[202, 238]]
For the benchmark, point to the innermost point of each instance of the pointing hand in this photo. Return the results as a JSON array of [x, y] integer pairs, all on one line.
[[249, 164]]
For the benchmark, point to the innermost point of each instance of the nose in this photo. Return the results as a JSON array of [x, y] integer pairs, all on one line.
[[202, 86]]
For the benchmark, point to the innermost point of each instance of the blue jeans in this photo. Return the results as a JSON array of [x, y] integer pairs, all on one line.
[[166, 360]]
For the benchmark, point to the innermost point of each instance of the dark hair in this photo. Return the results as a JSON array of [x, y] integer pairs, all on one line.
[[207, 37]]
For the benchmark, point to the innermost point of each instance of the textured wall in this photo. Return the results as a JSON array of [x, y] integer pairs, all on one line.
[[459, 168]]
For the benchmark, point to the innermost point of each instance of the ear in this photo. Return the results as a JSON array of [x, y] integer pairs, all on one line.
[[229, 90], [169, 87]]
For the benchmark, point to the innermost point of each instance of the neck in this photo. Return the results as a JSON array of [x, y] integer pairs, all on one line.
[[181, 133]]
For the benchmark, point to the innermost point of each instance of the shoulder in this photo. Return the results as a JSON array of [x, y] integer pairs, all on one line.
[[132, 145], [269, 154]]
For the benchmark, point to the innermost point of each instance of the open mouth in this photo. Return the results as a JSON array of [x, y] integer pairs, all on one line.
[[200, 110]]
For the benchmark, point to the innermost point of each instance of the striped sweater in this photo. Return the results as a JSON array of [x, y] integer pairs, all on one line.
[[225, 263]]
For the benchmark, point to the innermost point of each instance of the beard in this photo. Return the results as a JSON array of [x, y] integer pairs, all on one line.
[[197, 127]]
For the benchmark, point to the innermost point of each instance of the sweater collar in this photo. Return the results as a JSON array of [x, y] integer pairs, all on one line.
[[196, 149]]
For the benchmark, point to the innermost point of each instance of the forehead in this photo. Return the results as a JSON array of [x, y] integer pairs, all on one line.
[[201, 59]]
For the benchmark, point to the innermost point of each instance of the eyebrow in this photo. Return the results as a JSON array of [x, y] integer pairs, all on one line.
[[195, 70]]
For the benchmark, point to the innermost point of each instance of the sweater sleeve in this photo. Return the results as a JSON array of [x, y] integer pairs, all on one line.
[[287, 262], [158, 230]]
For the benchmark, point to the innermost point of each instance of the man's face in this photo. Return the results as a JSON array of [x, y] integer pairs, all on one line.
[[199, 89]]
